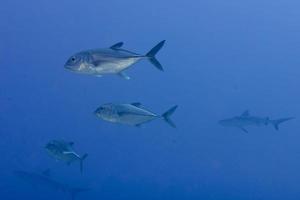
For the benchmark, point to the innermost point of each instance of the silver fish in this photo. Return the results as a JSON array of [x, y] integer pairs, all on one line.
[[45, 179], [246, 119], [113, 60], [63, 151], [131, 114]]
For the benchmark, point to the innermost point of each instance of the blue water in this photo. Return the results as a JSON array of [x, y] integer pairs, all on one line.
[[220, 59]]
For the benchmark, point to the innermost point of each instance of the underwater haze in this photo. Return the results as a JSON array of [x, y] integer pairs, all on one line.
[[222, 60]]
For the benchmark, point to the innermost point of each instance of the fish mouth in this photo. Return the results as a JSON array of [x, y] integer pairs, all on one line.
[[68, 67]]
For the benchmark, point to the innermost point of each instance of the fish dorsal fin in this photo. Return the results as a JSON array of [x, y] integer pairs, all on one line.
[[137, 104], [47, 172], [117, 45], [246, 113]]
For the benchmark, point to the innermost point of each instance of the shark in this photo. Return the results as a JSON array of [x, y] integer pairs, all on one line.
[[112, 60], [45, 179], [245, 120]]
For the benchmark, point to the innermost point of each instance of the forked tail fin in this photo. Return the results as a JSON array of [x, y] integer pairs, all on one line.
[[279, 121], [151, 55], [167, 116], [81, 162]]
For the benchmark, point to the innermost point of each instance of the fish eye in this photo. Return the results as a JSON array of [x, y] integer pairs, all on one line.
[[73, 58]]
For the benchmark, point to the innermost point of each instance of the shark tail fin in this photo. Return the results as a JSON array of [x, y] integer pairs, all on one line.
[[81, 161], [151, 55], [279, 121], [167, 116], [75, 191]]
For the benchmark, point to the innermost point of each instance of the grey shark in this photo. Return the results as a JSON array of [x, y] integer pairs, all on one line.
[[246, 120], [133, 114], [63, 151], [45, 180], [113, 60]]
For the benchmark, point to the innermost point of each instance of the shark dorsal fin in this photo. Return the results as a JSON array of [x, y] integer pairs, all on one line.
[[47, 172], [137, 104], [246, 113], [117, 45]]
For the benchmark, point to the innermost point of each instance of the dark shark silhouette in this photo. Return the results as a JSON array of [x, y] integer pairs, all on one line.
[[246, 119], [44, 179]]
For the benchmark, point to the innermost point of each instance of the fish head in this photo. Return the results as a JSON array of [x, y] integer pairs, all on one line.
[[106, 112], [51, 146], [54, 147], [78, 62]]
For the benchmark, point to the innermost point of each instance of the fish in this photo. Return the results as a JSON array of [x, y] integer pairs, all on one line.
[[44, 179], [245, 120], [63, 151], [133, 114], [112, 60]]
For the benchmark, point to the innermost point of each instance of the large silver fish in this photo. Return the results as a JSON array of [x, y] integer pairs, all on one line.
[[63, 151], [131, 114], [113, 60], [246, 119], [44, 179]]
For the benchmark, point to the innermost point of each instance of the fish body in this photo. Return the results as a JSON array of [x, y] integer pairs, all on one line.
[[246, 120], [133, 114], [63, 151], [113, 60]]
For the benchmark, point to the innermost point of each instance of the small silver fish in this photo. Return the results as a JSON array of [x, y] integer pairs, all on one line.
[[131, 114], [246, 119], [63, 151], [113, 60]]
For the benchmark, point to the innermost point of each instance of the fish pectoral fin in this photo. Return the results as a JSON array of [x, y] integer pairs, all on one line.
[[117, 45], [138, 125], [244, 130], [124, 75], [69, 163]]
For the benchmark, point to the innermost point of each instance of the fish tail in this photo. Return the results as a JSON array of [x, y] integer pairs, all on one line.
[[167, 116], [151, 55], [276, 123], [81, 162]]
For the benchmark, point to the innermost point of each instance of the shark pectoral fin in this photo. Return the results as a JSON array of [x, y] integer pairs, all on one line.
[[244, 130], [117, 45], [123, 75]]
